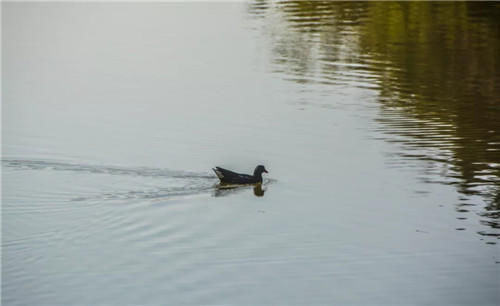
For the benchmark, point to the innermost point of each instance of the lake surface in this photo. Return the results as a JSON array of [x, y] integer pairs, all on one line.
[[378, 122]]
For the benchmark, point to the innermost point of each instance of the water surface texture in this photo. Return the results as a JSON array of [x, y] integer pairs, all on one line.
[[378, 122]]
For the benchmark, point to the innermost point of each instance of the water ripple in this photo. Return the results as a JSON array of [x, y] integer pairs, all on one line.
[[25, 164]]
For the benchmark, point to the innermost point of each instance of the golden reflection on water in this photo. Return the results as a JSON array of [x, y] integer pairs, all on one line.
[[228, 189], [436, 72]]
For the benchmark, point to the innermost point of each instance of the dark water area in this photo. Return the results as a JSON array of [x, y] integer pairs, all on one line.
[[435, 69], [377, 121]]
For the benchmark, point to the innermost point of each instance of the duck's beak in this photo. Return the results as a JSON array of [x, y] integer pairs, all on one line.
[[265, 171]]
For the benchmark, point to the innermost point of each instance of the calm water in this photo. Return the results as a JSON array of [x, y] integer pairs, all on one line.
[[378, 123]]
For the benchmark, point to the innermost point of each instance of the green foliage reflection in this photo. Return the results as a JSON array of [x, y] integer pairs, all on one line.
[[435, 66]]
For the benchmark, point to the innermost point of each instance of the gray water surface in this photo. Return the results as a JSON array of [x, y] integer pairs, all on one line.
[[378, 123]]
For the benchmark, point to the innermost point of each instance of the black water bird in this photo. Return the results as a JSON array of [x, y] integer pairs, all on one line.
[[230, 177]]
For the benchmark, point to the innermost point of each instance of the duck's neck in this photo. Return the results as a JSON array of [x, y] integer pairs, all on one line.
[[258, 176]]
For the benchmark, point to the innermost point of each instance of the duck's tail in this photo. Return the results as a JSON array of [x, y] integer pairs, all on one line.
[[218, 173]]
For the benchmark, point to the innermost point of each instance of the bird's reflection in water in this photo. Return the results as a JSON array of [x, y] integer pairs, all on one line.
[[258, 190], [227, 189]]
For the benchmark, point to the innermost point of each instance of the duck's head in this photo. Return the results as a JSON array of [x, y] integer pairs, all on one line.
[[259, 170]]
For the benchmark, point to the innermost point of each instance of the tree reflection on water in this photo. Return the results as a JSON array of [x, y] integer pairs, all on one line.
[[436, 71]]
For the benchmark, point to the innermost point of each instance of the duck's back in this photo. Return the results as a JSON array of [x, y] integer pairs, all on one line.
[[230, 177]]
